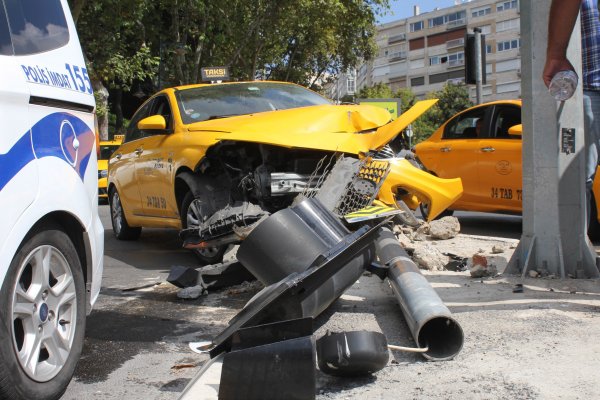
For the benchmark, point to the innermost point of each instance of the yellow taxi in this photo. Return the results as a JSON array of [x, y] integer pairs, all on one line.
[[192, 154], [106, 148], [479, 146]]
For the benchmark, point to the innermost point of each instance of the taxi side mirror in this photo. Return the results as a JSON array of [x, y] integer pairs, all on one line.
[[152, 123], [516, 130]]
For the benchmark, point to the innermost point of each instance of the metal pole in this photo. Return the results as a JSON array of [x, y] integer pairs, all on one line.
[[554, 240], [478, 66], [429, 320]]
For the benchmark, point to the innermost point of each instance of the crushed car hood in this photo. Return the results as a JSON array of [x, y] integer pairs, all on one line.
[[349, 129]]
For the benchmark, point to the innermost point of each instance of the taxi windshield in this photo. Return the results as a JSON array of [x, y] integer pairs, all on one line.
[[222, 101]]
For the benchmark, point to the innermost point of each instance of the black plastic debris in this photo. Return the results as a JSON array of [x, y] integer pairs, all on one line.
[[352, 353], [229, 274], [271, 361], [182, 277], [456, 263], [518, 288]]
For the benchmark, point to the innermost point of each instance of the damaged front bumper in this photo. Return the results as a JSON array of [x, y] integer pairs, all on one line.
[[407, 183]]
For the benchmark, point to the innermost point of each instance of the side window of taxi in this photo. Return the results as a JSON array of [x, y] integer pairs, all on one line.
[[468, 125], [36, 26], [161, 106], [505, 118], [133, 133]]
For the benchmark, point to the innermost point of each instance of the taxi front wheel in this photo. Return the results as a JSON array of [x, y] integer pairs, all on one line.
[[121, 228], [424, 208], [196, 211]]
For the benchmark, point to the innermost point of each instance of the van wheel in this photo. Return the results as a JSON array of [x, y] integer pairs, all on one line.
[[121, 228], [424, 208], [42, 318], [194, 211]]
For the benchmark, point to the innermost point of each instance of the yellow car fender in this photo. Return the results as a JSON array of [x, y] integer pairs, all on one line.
[[437, 192]]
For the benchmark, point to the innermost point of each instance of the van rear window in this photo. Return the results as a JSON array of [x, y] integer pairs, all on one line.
[[36, 25]]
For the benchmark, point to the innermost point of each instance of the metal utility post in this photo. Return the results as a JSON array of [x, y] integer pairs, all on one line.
[[554, 238], [478, 65]]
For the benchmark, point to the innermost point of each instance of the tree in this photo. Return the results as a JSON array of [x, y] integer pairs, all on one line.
[[113, 37], [377, 91], [452, 99]]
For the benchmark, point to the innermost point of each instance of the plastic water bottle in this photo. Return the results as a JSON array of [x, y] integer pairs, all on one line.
[[563, 85]]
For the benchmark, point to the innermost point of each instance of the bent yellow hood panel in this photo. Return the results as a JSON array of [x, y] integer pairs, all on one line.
[[349, 129]]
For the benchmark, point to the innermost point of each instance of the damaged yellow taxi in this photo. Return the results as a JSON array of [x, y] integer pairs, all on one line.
[[192, 152]]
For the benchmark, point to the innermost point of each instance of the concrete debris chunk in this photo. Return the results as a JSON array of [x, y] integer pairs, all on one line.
[[429, 257], [479, 267], [533, 274], [497, 249], [192, 292], [444, 228]]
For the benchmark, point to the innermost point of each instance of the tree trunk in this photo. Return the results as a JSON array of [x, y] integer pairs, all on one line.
[[101, 94], [77, 7], [117, 102]]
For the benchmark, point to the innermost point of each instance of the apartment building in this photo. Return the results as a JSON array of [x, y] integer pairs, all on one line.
[[425, 51]]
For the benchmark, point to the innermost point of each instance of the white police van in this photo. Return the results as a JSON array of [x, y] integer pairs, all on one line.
[[51, 238]]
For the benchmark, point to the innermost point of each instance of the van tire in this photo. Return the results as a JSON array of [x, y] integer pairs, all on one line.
[[61, 319], [121, 228]]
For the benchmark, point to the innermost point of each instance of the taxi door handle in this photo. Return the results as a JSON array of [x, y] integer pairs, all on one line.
[[138, 151], [488, 149], [445, 149]]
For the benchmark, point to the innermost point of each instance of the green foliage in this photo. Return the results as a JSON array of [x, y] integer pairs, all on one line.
[[452, 99], [378, 91], [407, 98], [293, 40]]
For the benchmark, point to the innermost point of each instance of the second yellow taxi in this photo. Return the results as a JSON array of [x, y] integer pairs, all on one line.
[[479, 146]]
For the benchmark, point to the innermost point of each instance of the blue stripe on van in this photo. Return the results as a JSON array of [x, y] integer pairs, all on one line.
[[52, 136]]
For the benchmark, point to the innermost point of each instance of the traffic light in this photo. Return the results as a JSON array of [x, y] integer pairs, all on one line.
[[471, 59]]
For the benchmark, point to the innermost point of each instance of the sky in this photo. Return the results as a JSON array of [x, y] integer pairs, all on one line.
[[404, 8]]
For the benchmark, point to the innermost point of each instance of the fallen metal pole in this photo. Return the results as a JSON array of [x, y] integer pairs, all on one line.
[[428, 319]]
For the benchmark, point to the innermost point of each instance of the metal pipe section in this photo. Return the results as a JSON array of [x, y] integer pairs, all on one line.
[[428, 319]]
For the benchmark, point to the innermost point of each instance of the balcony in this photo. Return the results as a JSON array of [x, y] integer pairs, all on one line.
[[456, 63], [456, 23], [455, 43], [397, 56], [456, 81], [397, 38]]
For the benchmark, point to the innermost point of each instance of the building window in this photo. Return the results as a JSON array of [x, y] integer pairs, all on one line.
[[420, 81], [417, 26], [507, 5], [481, 11], [437, 60], [486, 29], [444, 19], [456, 59], [508, 45], [488, 48], [507, 25]]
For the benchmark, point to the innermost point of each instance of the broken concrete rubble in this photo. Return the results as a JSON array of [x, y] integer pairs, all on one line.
[[429, 257], [444, 228]]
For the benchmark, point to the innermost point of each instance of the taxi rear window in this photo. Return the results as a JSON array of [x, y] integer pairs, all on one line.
[[36, 26]]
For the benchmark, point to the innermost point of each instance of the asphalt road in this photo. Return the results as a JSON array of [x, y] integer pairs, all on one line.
[[137, 337]]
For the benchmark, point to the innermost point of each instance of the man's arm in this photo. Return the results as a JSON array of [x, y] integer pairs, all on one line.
[[563, 14]]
